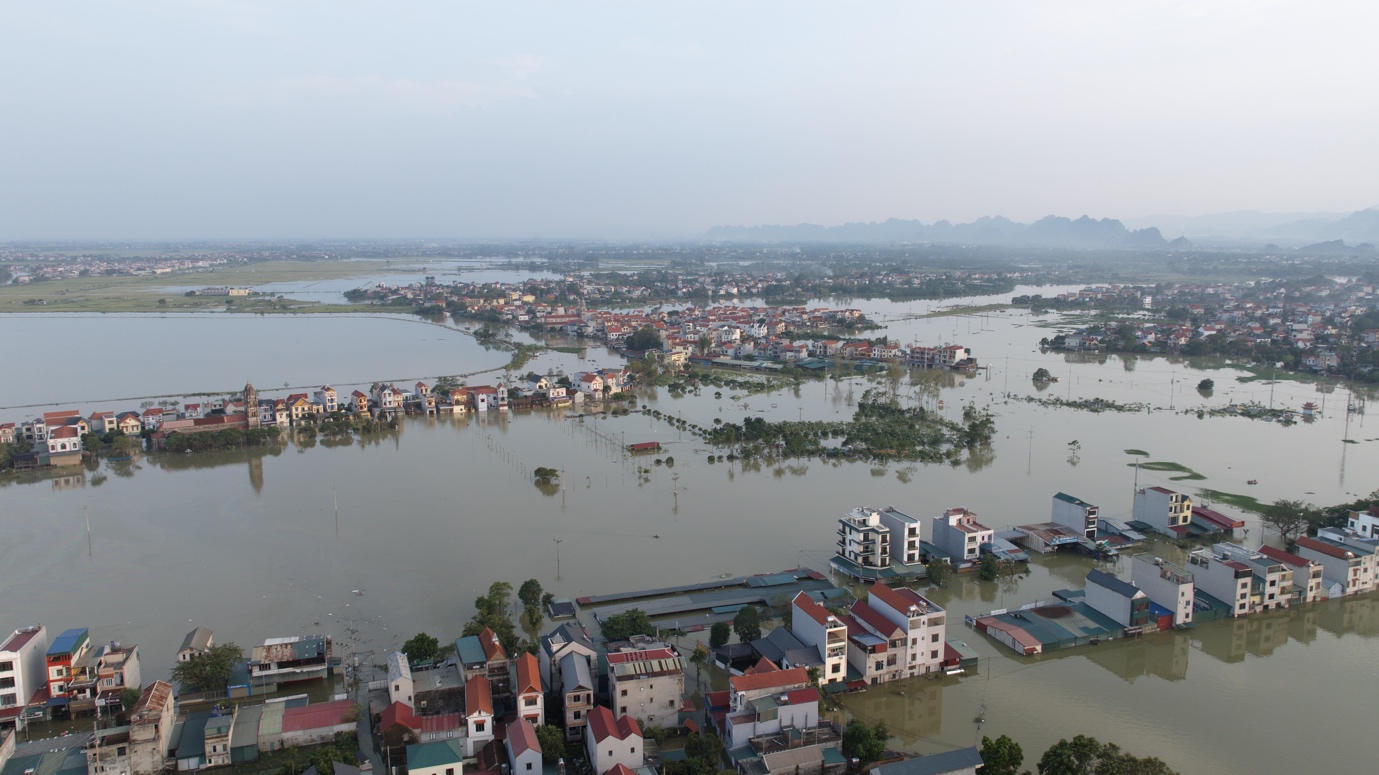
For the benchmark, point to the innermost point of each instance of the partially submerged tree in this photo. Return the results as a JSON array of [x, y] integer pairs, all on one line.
[[210, 670], [421, 648]]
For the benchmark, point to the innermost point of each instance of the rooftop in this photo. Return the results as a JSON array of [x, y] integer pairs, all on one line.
[[68, 640], [961, 760], [20, 638], [1066, 498], [1104, 579]]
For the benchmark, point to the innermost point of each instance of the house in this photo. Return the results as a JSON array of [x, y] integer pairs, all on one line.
[[328, 399], [570, 637], [531, 699], [1364, 523], [963, 761], [923, 621], [906, 529], [152, 418], [400, 686], [7, 433], [129, 423], [495, 662], [192, 412], [647, 684], [478, 714], [1121, 601], [612, 742], [577, 687], [440, 757], [1347, 569], [1308, 584], [67, 649], [388, 398], [64, 440], [360, 401], [766, 703], [151, 727], [100, 677], [864, 543], [1168, 586], [23, 671], [101, 422], [108, 752], [296, 658], [1224, 579], [197, 642], [779, 646], [875, 651], [1075, 513], [1163, 510], [589, 383], [1271, 582], [523, 749], [958, 533], [820, 630], [216, 737]]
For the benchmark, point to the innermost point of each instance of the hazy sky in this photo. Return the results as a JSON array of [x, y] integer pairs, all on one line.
[[178, 119]]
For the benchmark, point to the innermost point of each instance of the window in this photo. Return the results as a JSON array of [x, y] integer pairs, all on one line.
[[577, 715], [933, 638], [623, 694], [528, 767], [933, 655], [478, 726], [670, 703], [622, 711], [6, 683], [633, 749], [610, 752], [6, 667]]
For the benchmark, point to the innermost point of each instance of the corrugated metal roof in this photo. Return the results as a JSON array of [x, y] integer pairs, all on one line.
[[271, 725]]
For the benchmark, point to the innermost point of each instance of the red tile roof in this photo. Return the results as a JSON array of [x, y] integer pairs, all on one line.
[[772, 680], [802, 696], [1284, 557], [720, 699], [602, 725], [444, 722], [18, 640], [812, 609], [397, 713], [763, 665], [619, 769], [528, 674], [900, 599], [478, 696], [870, 616], [1329, 550], [318, 716], [522, 737], [492, 648]]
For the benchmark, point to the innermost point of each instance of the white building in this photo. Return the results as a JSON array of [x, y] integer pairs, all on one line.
[[958, 533], [1164, 510], [1167, 585], [923, 621], [1271, 584], [400, 680], [23, 670], [197, 642], [863, 540], [611, 742], [478, 714], [905, 532], [815, 627], [524, 750], [1121, 601], [531, 699], [570, 637], [1223, 578], [1348, 565], [1308, 584], [1365, 523], [328, 398], [764, 703], [1075, 513], [647, 684]]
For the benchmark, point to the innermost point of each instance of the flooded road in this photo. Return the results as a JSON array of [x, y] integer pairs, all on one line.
[[247, 543]]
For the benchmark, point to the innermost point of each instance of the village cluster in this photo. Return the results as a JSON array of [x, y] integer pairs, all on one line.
[[1323, 327], [1226, 579]]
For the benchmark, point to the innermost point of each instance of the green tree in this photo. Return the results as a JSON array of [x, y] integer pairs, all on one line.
[[990, 567], [209, 671], [1290, 518], [1206, 386], [1001, 756], [644, 338], [545, 475], [421, 648], [747, 624], [939, 571], [1076, 757], [129, 698], [860, 743], [552, 739], [493, 611], [530, 593], [1042, 374], [633, 621], [719, 634]]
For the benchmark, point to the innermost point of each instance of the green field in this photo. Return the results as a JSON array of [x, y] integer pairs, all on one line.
[[142, 293], [972, 310], [1242, 502], [1184, 473]]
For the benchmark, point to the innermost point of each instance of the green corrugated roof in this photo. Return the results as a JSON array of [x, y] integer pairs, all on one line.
[[434, 754], [470, 650]]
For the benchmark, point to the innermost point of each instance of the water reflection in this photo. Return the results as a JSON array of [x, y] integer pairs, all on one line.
[[912, 709]]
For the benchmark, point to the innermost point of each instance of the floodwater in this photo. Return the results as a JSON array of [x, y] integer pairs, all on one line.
[[249, 544]]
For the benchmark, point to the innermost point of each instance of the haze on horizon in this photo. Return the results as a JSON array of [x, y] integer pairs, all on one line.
[[155, 119]]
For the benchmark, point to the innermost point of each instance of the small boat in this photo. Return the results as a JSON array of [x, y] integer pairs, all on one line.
[[1252, 481]]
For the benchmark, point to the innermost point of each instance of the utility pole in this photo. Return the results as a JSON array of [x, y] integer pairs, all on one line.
[[557, 557]]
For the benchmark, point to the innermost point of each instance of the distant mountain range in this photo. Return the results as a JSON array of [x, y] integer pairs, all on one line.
[[1331, 231], [1052, 231]]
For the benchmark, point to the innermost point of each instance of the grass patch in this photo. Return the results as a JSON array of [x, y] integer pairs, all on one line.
[[1139, 452], [141, 293], [1266, 375], [1184, 473], [566, 349], [975, 309], [1242, 502], [1350, 441]]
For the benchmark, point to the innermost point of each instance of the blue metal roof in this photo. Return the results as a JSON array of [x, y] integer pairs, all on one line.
[[1102, 578], [67, 641], [933, 764], [470, 651]]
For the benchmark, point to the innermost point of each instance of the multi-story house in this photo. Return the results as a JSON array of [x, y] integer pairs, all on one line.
[[296, 658], [197, 642], [876, 646], [647, 684], [101, 676], [67, 649], [328, 398], [764, 703], [568, 638], [1167, 585], [23, 671], [523, 748], [1348, 564], [613, 741], [150, 728], [1163, 510], [108, 752], [923, 621], [400, 685], [527, 689], [1365, 523], [864, 543], [478, 714], [1225, 579], [577, 689], [103, 422], [1075, 513], [129, 423], [496, 663], [959, 534], [905, 535], [1272, 581], [1308, 584], [815, 627], [1121, 601]]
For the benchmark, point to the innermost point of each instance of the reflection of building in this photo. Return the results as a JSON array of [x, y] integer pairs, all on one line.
[[1164, 655], [916, 713], [1357, 615], [1224, 639], [1266, 633]]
